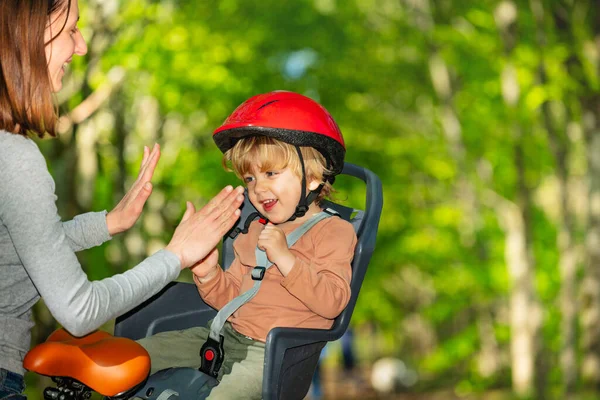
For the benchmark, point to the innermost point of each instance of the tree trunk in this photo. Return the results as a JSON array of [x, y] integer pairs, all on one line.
[[590, 290], [525, 312], [587, 14], [568, 290], [567, 263], [469, 202], [559, 146]]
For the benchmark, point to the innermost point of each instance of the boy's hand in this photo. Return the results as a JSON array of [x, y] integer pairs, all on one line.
[[272, 241], [206, 268]]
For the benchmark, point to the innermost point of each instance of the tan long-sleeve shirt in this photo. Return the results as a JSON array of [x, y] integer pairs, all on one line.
[[315, 291]]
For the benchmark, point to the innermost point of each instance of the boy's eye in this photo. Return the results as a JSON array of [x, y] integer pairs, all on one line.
[[271, 173], [248, 179]]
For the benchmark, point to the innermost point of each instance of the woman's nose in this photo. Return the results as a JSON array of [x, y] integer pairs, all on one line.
[[80, 45]]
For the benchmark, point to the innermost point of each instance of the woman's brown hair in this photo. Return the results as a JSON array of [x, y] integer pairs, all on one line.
[[26, 97]]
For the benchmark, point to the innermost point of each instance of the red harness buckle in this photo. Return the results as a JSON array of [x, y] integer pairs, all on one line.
[[212, 355]]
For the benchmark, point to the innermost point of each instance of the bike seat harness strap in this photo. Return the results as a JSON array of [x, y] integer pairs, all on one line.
[[212, 353]]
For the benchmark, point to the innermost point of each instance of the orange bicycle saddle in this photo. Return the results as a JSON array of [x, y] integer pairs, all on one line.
[[106, 364]]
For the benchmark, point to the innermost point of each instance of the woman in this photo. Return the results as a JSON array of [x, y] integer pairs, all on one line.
[[37, 250]]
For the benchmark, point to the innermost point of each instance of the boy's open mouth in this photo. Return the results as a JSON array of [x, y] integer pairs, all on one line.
[[269, 204]]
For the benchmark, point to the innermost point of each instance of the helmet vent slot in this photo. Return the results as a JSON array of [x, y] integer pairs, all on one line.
[[266, 104]]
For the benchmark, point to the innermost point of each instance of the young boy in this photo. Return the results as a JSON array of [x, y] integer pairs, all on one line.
[[287, 150]]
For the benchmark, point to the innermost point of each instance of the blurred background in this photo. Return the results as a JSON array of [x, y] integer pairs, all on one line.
[[482, 119]]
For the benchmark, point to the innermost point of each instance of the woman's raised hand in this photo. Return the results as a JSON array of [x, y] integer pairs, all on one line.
[[200, 231], [129, 209]]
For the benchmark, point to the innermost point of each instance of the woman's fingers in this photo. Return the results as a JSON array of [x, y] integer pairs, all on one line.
[[222, 201], [199, 232], [149, 164], [228, 211], [222, 214], [226, 221], [144, 159], [223, 210], [145, 174], [141, 198]]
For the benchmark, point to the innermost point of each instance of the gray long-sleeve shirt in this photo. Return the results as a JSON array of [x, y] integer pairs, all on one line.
[[37, 258]]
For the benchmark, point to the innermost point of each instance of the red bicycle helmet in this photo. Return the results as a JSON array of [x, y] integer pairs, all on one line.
[[289, 117]]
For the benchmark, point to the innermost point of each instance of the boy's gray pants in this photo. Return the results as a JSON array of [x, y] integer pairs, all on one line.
[[242, 370]]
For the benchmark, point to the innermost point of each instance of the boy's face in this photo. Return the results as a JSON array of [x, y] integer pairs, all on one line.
[[275, 193]]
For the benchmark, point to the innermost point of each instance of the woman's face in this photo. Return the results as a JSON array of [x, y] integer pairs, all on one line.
[[59, 52]]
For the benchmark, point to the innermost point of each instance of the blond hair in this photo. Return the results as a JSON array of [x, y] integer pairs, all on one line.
[[273, 154]]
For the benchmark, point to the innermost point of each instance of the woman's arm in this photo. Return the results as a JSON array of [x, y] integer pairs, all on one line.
[[27, 208], [28, 211], [86, 231]]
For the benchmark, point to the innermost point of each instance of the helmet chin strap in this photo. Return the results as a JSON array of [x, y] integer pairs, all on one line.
[[301, 208], [305, 200]]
